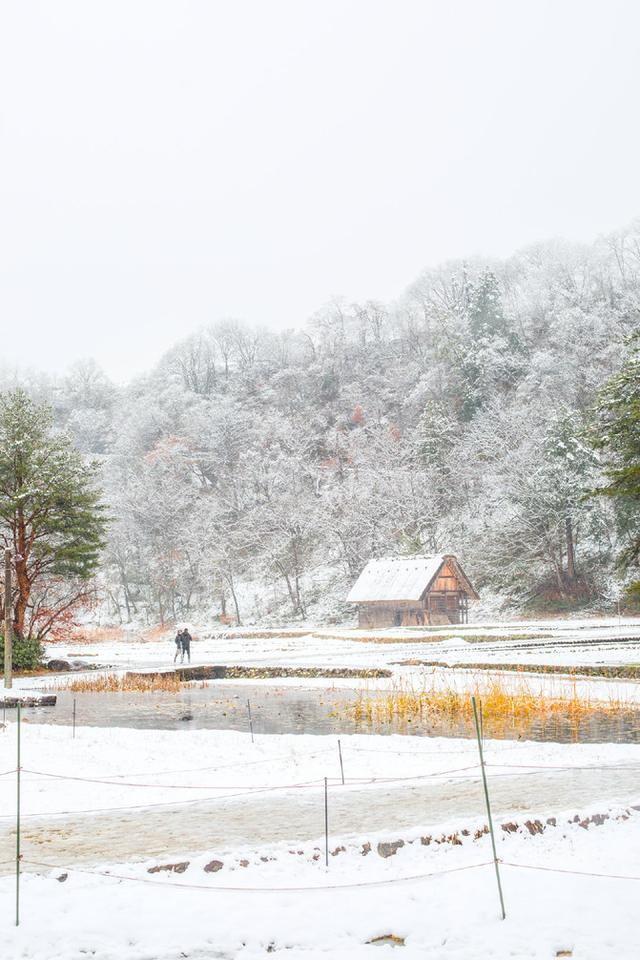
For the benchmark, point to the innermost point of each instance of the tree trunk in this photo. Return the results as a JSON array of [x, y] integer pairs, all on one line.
[[24, 590], [571, 558], [235, 600], [290, 591]]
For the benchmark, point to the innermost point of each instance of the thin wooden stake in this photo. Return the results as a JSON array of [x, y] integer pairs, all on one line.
[[18, 821], [486, 797], [74, 718], [326, 824], [341, 765], [250, 720]]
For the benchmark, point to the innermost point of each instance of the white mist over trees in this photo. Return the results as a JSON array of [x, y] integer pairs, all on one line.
[[252, 473]]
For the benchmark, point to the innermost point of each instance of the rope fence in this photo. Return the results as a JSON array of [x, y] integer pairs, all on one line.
[[281, 889], [109, 875]]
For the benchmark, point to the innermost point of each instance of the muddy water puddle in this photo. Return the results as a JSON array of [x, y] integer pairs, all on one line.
[[289, 710]]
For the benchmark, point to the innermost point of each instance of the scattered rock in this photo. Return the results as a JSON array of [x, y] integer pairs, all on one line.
[[62, 877], [187, 716], [170, 867], [213, 866], [244, 863], [58, 666], [390, 849], [77, 665], [552, 822], [366, 848], [510, 827], [425, 841], [534, 826], [48, 700], [334, 853]]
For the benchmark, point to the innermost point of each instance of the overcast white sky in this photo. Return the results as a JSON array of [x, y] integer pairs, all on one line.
[[164, 163]]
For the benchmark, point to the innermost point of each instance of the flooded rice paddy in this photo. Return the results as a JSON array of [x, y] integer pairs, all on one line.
[[298, 710]]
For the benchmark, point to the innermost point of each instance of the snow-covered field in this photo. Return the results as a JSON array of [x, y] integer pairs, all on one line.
[[279, 907], [572, 642], [102, 809]]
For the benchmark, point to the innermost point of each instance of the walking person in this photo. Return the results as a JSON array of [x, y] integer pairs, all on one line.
[[178, 643], [186, 645]]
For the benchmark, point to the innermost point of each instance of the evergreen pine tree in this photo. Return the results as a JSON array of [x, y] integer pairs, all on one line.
[[50, 515]]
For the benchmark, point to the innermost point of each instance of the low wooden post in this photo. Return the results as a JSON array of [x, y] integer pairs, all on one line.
[[74, 718], [341, 764], [250, 719], [486, 797]]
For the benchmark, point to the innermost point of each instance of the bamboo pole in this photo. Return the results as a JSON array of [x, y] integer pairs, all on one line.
[[326, 824], [486, 797], [18, 854]]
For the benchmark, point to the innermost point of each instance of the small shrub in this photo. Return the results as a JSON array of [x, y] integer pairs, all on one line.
[[27, 654]]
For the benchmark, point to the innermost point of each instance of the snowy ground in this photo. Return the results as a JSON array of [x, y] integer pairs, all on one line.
[[608, 641], [267, 893], [101, 809], [257, 808], [453, 915]]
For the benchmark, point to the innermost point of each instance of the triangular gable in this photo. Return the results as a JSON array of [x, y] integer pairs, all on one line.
[[450, 561]]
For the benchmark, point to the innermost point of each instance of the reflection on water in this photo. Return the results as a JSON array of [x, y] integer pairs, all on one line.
[[299, 710]]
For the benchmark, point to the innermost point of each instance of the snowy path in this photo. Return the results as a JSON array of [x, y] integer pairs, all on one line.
[[297, 817]]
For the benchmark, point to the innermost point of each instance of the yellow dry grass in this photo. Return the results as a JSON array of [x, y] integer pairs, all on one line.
[[125, 683], [505, 705], [99, 634]]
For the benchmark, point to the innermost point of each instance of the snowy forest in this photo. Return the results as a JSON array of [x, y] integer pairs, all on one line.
[[251, 474]]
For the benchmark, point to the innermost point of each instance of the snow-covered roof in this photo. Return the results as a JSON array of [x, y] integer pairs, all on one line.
[[395, 578]]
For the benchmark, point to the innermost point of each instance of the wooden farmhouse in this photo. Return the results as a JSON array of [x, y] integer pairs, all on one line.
[[412, 591]]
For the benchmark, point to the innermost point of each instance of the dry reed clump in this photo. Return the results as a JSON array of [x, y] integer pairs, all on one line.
[[504, 705], [125, 683], [99, 634]]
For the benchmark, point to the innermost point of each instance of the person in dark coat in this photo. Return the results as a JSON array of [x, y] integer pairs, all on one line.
[[186, 645], [178, 643]]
